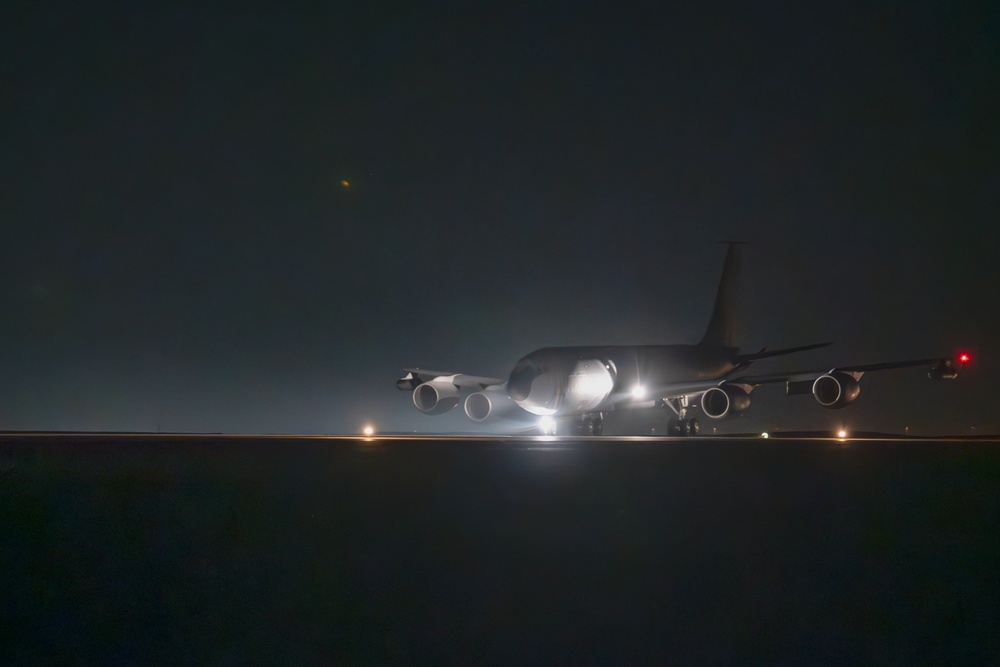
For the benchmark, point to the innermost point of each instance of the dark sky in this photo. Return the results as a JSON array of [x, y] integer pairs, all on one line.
[[179, 252]]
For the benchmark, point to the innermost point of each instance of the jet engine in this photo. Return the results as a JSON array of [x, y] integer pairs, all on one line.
[[726, 401], [835, 390], [486, 405], [435, 397]]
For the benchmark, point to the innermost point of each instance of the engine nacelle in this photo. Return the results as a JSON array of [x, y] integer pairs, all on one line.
[[487, 405], [727, 401], [435, 397], [835, 390]]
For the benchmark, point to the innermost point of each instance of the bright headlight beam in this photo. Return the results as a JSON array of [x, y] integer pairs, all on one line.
[[639, 392]]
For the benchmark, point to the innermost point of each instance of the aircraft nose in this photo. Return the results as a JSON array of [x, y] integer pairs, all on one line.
[[534, 388], [519, 383]]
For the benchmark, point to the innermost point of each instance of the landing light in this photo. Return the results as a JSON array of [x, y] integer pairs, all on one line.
[[841, 433], [368, 431], [639, 392], [765, 435], [547, 425]]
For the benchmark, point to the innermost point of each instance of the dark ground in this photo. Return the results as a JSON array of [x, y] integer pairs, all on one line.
[[296, 551]]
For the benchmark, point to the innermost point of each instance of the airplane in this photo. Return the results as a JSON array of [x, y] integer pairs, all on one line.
[[570, 389]]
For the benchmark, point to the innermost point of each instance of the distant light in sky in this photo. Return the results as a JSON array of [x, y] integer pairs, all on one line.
[[346, 184]]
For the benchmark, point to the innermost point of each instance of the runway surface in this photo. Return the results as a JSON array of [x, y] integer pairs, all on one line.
[[127, 549]]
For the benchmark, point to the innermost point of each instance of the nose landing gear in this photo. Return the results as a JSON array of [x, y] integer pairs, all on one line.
[[588, 424]]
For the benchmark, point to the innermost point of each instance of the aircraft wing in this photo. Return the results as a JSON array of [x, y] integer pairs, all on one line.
[[939, 368], [417, 376]]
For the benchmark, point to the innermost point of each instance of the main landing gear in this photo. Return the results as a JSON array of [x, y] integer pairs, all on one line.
[[588, 424], [680, 425]]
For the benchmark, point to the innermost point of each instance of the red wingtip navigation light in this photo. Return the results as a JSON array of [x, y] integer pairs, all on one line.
[[964, 358]]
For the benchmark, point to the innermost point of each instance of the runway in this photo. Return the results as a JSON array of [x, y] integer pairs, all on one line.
[[175, 548]]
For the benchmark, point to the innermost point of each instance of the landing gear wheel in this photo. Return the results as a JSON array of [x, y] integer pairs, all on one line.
[[588, 424], [679, 425], [683, 427]]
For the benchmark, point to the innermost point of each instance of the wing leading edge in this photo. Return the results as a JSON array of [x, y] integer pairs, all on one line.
[[417, 376]]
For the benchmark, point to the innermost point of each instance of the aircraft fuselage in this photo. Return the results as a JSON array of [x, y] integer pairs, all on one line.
[[571, 380]]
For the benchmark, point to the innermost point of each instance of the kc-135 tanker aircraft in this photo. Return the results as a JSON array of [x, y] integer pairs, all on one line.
[[570, 389]]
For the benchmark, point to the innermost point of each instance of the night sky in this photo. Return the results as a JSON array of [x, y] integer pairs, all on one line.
[[180, 251]]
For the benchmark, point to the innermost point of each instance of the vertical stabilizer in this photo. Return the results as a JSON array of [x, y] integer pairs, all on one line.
[[722, 327]]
